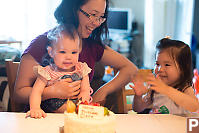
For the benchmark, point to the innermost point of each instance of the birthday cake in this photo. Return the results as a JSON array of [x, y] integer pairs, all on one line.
[[89, 119]]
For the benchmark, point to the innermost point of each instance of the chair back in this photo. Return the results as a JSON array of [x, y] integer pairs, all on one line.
[[123, 105], [11, 70], [126, 92]]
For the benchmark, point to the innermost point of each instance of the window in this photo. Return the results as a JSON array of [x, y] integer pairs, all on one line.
[[23, 20]]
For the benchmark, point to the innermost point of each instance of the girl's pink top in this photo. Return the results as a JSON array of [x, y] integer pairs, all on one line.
[[51, 75]]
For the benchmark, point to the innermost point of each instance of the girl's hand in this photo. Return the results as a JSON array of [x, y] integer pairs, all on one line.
[[157, 84], [139, 87], [36, 113], [64, 89], [85, 96]]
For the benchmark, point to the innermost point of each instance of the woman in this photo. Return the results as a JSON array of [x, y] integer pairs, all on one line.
[[89, 18]]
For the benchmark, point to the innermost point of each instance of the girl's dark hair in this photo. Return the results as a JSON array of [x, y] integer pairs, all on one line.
[[67, 13], [181, 54], [53, 35]]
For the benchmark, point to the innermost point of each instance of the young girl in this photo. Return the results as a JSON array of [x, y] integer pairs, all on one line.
[[172, 84], [63, 52]]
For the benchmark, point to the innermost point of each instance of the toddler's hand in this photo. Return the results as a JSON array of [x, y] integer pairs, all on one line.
[[85, 96], [36, 113], [157, 84], [139, 87]]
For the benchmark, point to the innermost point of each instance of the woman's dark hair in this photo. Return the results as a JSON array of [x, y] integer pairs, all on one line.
[[181, 54], [53, 35], [67, 13]]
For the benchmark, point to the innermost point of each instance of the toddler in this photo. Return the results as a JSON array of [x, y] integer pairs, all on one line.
[[171, 83], [63, 53]]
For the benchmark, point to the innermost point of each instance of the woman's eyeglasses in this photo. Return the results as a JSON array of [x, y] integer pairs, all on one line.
[[92, 17]]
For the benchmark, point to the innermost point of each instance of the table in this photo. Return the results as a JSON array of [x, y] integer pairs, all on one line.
[[11, 42], [9, 52], [126, 123]]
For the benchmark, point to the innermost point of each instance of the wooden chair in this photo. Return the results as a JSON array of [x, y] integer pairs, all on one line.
[[124, 92], [11, 70], [123, 106]]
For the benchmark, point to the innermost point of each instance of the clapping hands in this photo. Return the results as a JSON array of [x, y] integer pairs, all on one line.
[[153, 82], [157, 84], [139, 85]]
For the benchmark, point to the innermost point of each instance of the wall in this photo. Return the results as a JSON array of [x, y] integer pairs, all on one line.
[[137, 7], [196, 34], [196, 21], [159, 22], [166, 18]]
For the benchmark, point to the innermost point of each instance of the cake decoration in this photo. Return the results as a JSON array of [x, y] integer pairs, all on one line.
[[70, 106], [87, 111], [88, 118]]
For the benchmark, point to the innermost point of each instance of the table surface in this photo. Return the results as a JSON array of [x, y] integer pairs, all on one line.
[[126, 123], [9, 42]]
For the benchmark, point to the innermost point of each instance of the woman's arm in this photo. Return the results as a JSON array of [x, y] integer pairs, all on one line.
[[126, 72], [26, 78]]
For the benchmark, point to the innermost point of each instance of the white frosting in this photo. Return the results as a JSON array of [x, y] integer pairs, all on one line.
[[74, 124]]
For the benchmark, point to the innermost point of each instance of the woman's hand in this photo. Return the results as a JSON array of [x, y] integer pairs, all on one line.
[[126, 71], [62, 89]]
